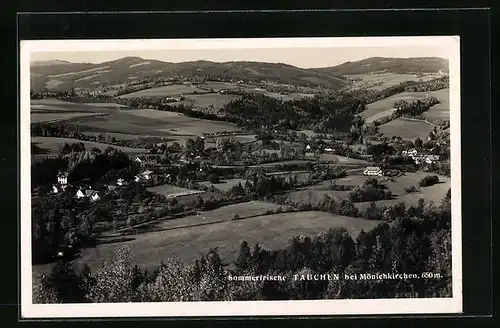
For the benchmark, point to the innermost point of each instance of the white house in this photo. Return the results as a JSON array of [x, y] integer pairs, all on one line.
[[308, 147], [62, 178], [146, 174], [92, 194], [373, 171], [138, 160], [120, 182], [409, 153], [54, 189], [80, 194], [329, 150], [137, 178]]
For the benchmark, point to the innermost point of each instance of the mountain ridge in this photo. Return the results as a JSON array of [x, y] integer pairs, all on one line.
[[63, 75]]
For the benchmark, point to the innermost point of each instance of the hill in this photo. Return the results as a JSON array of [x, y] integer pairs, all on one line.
[[388, 65], [65, 76], [49, 62]]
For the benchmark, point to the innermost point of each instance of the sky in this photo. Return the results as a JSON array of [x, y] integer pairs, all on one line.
[[299, 57]]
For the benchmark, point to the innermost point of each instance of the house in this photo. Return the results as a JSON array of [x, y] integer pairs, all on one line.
[[62, 178], [137, 178], [138, 160], [146, 174], [120, 182], [409, 153], [54, 189], [430, 159], [329, 150], [373, 171], [308, 147], [92, 194], [80, 194]]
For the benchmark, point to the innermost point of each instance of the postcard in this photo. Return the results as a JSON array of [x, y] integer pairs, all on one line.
[[240, 177]]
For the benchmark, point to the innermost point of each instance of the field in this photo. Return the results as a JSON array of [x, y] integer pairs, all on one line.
[[441, 110], [59, 117], [211, 99], [165, 91], [385, 107], [270, 231], [224, 185], [382, 81], [152, 123], [337, 159], [53, 145], [406, 129], [433, 193], [171, 191]]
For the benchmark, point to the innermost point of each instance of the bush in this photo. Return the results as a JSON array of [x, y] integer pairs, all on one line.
[[411, 189], [429, 180]]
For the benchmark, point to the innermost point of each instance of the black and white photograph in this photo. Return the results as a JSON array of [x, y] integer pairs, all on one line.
[[240, 177]]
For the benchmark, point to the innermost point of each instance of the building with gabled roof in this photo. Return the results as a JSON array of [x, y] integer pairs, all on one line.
[[62, 177], [373, 171]]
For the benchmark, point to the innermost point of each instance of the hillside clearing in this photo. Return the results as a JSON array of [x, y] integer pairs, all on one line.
[[224, 185], [406, 129], [53, 144], [441, 110], [165, 91], [171, 191], [59, 117], [380, 81]]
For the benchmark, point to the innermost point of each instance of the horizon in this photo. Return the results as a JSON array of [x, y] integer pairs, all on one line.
[[306, 58], [220, 62]]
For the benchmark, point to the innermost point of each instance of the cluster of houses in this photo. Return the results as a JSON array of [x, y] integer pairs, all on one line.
[[420, 158], [93, 195]]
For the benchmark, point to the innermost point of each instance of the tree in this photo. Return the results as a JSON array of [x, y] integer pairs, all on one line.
[[244, 257], [114, 280]]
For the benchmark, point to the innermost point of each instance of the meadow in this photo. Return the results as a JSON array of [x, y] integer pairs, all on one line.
[[406, 128], [188, 243], [165, 91], [337, 159], [441, 110], [171, 191], [386, 105], [152, 123], [52, 145], [215, 100], [224, 185], [380, 81], [52, 117], [435, 193]]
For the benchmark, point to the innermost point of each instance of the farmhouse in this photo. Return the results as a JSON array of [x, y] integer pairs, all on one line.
[[62, 178], [409, 153], [137, 178], [153, 160], [146, 174], [308, 147], [92, 194], [373, 171], [120, 182], [80, 194], [54, 189], [329, 150]]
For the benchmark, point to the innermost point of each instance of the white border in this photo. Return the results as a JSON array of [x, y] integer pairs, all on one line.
[[243, 308]]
